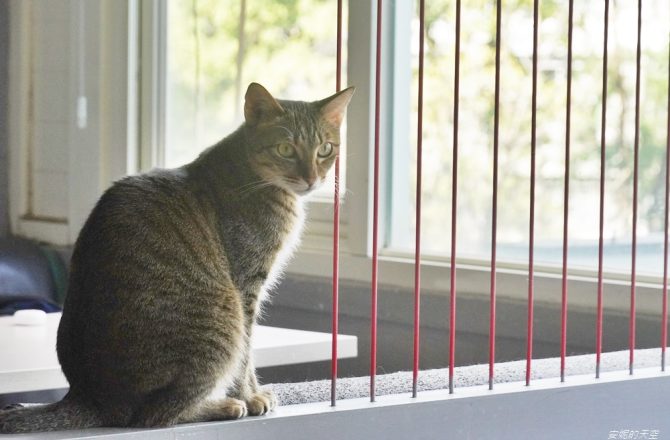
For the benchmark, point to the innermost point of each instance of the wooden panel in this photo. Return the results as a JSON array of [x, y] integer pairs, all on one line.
[[54, 10], [50, 94], [51, 147], [48, 142], [4, 119], [51, 197]]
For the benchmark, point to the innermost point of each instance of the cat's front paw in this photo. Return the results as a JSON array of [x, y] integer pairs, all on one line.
[[261, 403], [232, 409]]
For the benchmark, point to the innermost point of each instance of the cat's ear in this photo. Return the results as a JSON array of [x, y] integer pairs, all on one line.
[[259, 105], [334, 108]]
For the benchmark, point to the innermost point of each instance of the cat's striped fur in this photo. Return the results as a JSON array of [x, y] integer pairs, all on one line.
[[169, 271]]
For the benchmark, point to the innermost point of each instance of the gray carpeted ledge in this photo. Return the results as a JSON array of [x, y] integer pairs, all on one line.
[[399, 383]]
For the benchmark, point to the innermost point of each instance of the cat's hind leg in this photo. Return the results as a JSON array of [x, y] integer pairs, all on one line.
[[186, 401], [173, 405], [170, 405], [187, 398]]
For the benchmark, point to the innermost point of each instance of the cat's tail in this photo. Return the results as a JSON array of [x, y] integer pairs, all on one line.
[[66, 414]]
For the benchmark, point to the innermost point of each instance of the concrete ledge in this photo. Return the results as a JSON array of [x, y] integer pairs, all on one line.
[[464, 377], [581, 408]]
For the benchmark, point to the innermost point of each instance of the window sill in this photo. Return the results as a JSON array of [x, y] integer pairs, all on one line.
[[474, 280]]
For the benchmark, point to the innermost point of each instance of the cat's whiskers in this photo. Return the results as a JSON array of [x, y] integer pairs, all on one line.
[[249, 188], [255, 188], [247, 185]]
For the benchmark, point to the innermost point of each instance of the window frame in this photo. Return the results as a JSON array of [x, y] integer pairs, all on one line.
[[314, 256]]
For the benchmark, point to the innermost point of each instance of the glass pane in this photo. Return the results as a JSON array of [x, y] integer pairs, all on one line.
[[215, 48], [476, 133]]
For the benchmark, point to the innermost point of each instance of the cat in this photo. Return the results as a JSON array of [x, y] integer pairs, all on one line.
[[170, 270]]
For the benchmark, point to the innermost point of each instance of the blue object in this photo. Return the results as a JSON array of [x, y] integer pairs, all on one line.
[[10, 306], [31, 277]]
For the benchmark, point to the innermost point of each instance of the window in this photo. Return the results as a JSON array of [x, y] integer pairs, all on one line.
[[476, 132], [206, 67], [216, 48]]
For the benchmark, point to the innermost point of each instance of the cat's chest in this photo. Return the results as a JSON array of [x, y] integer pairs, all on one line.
[[260, 243], [287, 246]]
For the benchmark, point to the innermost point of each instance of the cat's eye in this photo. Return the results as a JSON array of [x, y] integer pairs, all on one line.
[[325, 150], [286, 151]]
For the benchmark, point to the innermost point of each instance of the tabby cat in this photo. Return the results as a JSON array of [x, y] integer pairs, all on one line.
[[170, 269]]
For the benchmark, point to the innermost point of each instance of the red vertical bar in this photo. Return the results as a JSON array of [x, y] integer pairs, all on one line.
[[631, 329], [603, 145], [531, 237], [336, 226], [566, 200], [417, 248], [375, 209], [494, 214], [664, 315], [454, 202]]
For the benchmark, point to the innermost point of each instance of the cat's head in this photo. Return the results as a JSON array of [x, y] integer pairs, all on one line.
[[293, 144]]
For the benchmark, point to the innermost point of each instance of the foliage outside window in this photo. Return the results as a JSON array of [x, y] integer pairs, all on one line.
[[216, 48], [476, 132]]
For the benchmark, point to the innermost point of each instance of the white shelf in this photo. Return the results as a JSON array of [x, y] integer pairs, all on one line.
[[29, 361]]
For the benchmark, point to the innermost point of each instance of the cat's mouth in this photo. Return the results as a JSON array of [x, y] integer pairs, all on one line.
[[304, 192]]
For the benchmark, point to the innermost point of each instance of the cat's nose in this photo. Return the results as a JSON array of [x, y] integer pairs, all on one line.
[[310, 181]]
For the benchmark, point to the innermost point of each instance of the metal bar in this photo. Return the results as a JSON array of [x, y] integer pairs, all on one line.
[[603, 145], [531, 234], [454, 202], [494, 214], [417, 239], [375, 209], [338, 59], [631, 326], [336, 226], [664, 314], [566, 199]]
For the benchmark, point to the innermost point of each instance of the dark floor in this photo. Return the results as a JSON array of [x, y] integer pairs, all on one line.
[[303, 303]]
